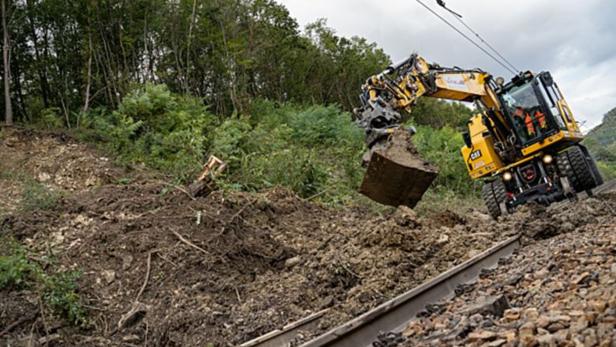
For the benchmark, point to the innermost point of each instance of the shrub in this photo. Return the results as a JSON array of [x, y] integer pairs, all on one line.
[[58, 290], [155, 127], [442, 148]]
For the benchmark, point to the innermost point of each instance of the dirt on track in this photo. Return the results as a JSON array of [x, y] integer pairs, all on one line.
[[219, 270]]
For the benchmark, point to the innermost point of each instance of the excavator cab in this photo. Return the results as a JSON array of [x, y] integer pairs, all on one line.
[[536, 109]]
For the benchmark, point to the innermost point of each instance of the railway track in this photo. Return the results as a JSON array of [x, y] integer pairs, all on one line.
[[394, 315]]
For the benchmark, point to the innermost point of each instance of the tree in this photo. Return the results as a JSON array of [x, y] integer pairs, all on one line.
[[6, 55]]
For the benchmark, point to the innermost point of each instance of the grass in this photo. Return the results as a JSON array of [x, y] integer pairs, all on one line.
[[57, 289], [38, 197]]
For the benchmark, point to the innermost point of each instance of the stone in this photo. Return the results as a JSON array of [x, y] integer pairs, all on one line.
[[491, 305], [527, 332], [531, 314], [291, 262], [543, 321], [109, 276], [512, 314], [481, 336], [495, 343], [546, 340], [579, 325], [131, 338], [580, 279]]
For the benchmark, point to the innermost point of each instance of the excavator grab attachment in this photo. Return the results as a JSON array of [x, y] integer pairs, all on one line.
[[396, 174]]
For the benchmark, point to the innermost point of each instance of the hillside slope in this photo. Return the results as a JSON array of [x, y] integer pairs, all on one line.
[[602, 143]]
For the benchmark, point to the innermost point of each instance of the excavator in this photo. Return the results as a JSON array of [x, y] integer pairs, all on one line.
[[524, 143]]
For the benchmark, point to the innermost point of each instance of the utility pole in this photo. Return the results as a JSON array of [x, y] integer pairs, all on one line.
[[8, 108]]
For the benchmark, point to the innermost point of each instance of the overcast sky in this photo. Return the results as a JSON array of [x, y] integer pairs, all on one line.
[[574, 39]]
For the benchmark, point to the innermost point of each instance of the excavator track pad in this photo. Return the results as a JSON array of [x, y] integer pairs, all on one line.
[[396, 174]]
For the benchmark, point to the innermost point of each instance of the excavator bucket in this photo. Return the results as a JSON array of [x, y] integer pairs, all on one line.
[[396, 174]]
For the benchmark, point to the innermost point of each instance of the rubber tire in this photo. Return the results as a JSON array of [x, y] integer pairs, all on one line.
[[574, 165], [494, 193], [593, 167]]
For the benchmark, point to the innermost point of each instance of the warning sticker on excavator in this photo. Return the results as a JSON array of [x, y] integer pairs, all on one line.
[[456, 82]]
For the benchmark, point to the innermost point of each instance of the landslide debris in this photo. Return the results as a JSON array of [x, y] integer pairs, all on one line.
[[160, 266]]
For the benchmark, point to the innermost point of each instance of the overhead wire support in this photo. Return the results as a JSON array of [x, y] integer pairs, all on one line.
[[513, 71]]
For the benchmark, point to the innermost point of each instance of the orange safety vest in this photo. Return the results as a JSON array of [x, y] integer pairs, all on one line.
[[530, 127], [540, 117]]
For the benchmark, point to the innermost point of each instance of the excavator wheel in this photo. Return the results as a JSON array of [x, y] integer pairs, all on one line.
[[494, 194], [579, 168]]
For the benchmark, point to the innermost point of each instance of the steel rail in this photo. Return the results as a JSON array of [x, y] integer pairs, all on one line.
[[394, 315], [286, 335]]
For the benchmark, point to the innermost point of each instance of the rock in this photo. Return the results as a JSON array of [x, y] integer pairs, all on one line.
[[531, 314], [109, 276], [512, 314], [542, 321], [481, 336], [406, 217], [444, 238], [581, 279], [495, 343], [491, 305], [579, 325], [291, 262], [546, 340], [527, 333], [131, 338]]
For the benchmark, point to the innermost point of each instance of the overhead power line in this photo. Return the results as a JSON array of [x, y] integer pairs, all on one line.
[[513, 71], [485, 42]]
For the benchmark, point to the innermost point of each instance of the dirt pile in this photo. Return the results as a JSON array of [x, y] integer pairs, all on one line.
[[221, 269], [225, 268]]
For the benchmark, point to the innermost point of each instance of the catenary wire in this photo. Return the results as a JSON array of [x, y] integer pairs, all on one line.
[[486, 43], [468, 38]]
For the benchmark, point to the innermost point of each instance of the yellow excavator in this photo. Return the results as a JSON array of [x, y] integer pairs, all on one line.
[[524, 142]]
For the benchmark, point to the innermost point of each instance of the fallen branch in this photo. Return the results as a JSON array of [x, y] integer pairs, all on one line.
[[20, 321], [185, 241], [147, 276]]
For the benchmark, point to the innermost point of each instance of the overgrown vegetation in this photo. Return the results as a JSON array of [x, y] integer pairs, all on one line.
[[57, 290], [313, 150], [36, 197], [602, 143]]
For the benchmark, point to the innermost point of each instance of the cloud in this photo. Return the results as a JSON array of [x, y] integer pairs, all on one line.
[[575, 40]]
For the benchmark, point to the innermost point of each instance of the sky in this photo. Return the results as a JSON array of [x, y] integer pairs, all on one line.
[[573, 39]]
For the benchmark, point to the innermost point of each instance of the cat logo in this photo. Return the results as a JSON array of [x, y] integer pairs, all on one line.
[[476, 155]]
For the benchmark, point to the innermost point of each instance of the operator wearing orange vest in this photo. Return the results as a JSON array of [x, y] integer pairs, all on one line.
[[526, 118]]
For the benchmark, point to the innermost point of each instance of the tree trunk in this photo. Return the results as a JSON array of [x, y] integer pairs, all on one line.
[[86, 102], [8, 108]]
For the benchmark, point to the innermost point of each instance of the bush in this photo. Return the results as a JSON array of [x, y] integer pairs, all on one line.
[[155, 127], [58, 290], [442, 147], [313, 150]]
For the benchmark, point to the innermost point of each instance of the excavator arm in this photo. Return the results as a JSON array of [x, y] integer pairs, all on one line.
[[387, 97]]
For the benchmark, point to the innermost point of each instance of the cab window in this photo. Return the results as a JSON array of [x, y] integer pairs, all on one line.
[[525, 109]]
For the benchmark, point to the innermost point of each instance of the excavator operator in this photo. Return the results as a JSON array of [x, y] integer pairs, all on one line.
[[529, 123]]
